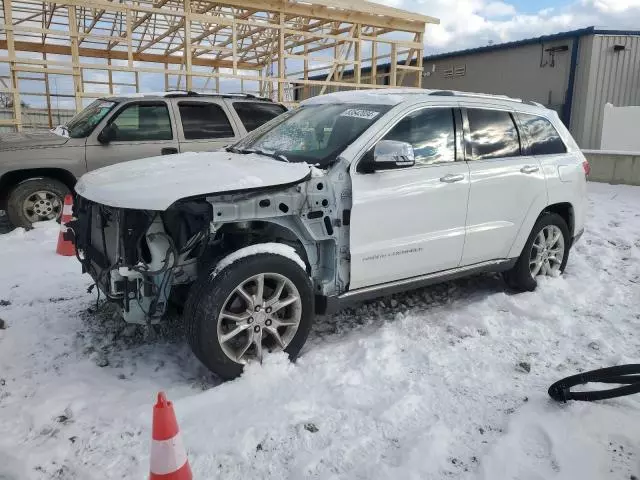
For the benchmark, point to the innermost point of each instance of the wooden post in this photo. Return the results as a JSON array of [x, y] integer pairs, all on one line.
[[75, 56], [129, 39], [47, 90], [234, 45], [166, 78], [281, 66], [218, 80], [393, 72], [110, 74], [374, 62], [357, 56], [17, 106], [419, 60], [187, 44], [305, 88]]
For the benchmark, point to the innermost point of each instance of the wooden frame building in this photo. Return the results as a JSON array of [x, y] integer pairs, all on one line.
[[79, 50]]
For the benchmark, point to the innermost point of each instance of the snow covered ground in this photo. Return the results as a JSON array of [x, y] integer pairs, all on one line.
[[433, 384]]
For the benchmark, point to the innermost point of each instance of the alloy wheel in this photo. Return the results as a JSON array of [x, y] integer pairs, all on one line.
[[547, 252], [42, 205], [261, 313]]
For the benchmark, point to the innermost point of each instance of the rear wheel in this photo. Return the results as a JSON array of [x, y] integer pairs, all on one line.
[[258, 304], [36, 200], [545, 253]]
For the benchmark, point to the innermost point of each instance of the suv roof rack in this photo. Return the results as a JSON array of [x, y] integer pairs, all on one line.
[[453, 93], [191, 93]]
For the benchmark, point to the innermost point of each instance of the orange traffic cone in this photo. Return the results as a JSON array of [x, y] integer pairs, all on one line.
[[168, 456], [66, 247]]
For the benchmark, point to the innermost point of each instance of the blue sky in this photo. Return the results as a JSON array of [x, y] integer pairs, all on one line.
[[529, 6], [472, 23]]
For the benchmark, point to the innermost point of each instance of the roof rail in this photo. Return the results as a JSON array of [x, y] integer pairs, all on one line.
[[454, 93], [190, 93]]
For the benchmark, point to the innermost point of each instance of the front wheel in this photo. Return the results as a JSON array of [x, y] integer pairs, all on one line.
[[36, 200], [258, 304], [545, 253]]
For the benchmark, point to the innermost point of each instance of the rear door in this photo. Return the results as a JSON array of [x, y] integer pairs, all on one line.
[[505, 183], [142, 129], [204, 125]]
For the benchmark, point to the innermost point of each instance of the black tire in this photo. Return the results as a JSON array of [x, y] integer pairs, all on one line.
[[519, 278], [208, 295], [21, 193]]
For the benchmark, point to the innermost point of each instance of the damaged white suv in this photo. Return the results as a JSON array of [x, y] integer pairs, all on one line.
[[353, 195]]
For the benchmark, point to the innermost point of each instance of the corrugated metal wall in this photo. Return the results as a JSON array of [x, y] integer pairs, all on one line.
[[579, 125], [536, 72], [609, 77]]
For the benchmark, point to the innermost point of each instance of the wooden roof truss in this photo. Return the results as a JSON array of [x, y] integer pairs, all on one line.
[[265, 47]]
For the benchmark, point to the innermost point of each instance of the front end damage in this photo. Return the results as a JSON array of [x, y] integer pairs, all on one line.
[[136, 257], [141, 259]]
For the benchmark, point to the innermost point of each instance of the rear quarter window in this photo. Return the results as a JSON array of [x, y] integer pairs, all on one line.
[[255, 114], [542, 136]]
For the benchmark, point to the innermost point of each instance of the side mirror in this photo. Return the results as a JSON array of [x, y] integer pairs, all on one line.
[[393, 154], [107, 134]]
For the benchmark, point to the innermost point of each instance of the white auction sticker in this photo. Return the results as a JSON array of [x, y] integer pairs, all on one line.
[[360, 113]]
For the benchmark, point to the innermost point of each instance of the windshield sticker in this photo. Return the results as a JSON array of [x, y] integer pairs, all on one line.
[[360, 113]]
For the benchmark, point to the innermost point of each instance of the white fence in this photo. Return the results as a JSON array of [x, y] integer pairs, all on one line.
[[620, 129], [36, 118]]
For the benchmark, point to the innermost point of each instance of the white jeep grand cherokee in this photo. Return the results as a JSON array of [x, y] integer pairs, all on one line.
[[353, 195]]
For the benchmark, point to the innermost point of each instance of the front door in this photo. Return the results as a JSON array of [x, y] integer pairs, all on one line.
[[139, 130], [411, 221], [505, 184]]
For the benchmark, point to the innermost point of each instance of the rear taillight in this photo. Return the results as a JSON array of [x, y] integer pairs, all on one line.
[[586, 167]]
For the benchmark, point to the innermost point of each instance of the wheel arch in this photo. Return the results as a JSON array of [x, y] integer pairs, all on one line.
[[566, 211], [11, 179], [279, 230]]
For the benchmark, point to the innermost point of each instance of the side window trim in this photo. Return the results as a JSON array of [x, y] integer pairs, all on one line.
[[122, 107], [458, 138], [468, 146]]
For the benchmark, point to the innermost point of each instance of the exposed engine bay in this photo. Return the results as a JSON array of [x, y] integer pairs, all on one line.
[[136, 257]]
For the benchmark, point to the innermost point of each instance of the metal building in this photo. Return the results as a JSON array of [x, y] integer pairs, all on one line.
[[576, 73]]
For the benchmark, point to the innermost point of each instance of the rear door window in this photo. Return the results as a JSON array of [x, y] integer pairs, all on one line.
[[542, 136], [204, 120], [493, 134], [255, 114]]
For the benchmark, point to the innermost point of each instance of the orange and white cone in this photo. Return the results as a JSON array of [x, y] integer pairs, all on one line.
[[66, 247], [168, 456]]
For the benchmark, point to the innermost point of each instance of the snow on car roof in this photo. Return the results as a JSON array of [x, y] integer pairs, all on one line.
[[387, 96]]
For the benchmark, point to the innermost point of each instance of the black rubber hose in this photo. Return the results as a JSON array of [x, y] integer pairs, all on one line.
[[627, 375]]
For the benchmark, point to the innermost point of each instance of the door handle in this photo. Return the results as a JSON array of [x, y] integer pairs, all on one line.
[[168, 151], [529, 169], [451, 178]]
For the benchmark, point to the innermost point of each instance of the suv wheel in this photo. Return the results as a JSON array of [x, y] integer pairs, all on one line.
[[545, 253], [36, 200], [258, 304]]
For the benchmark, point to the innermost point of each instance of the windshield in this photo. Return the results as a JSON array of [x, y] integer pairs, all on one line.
[[84, 122], [315, 134]]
